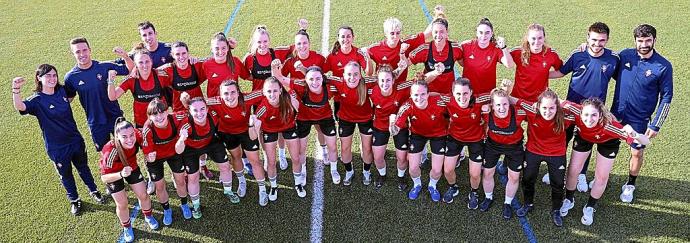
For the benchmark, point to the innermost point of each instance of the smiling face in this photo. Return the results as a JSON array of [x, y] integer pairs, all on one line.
[[198, 111], [392, 34], [127, 138], [500, 106], [262, 42], [144, 64], [82, 53], [159, 119], [419, 95], [548, 108], [272, 92], [229, 94], [590, 116], [536, 39], [385, 81], [219, 50], [462, 95], [49, 80], [484, 34], [596, 42], [644, 45], [314, 81], [345, 38], [148, 36], [302, 45], [352, 76], [181, 55], [440, 33]]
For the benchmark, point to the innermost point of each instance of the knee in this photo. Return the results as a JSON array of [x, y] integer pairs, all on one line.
[[636, 153]]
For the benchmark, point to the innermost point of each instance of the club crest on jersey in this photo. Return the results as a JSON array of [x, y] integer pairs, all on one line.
[[597, 136], [648, 73], [603, 68], [473, 115], [543, 64], [81, 82], [99, 76], [163, 59], [433, 117], [395, 103], [244, 113], [488, 59]]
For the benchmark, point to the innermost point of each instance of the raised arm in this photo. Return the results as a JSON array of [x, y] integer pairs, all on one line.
[[17, 84]]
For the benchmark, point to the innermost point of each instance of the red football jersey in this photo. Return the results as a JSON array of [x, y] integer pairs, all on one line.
[[466, 124], [143, 91], [441, 84], [161, 140], [312, 106], [314, 59], [541, 137], [110, 162], [192, 87], [348, 97], [506, 130], [271, 119], [431, 121], [599, 133], [479, 65], [199, 136], [385, 106], [381, 53], [264, 64], [234, 120], [335, 63], [216, 73], [532, 79]]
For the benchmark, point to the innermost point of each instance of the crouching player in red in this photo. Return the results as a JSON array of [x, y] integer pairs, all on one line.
[[118, 164], [595, 126], [428, 121]]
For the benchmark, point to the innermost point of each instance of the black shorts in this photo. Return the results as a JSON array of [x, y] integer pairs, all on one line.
[[476, 149], [231, 141], [155, 168], [532, 158], [119, 185], [289, 134], [401, 140], [608, 149], [327, 127], [346, 128], [214, 150], [437, 144], [514, 155]]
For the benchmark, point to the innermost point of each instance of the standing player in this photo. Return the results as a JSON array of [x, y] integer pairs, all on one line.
[[144, 87], [591, 72], [118, 165], [222, 65], [428, 121], [160, 51], [644, 84], [481, 55], [88, 79], [344, 52], [533, 59], [387, 98], [595, 126], [63, 143], [182, 75], [440, 54]]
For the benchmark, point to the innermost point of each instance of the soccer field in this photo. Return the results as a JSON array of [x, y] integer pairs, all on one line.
[[35, 208]]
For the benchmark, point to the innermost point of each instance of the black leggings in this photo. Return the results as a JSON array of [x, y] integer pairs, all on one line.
[[556, 166]]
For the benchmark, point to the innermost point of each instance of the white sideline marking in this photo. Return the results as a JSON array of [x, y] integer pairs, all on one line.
[[315, 234]]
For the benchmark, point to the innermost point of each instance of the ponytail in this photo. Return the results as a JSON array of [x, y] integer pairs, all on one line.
[[229, 60], [120, 124]]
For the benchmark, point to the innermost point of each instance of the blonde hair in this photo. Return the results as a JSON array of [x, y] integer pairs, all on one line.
[[258, 31], [526, 53], [390, 24]]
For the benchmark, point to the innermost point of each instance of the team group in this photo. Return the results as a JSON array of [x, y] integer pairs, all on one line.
[[293, 87]]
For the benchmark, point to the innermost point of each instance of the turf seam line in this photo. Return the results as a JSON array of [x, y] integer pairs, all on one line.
[[132, 217], [231, 20], [422, 4]]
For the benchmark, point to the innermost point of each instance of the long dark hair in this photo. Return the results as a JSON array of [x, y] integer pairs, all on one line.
[[336, 45], [120, 124], [304, 33], [220, 36], [43, 69], [487, 22], [284, 104]]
